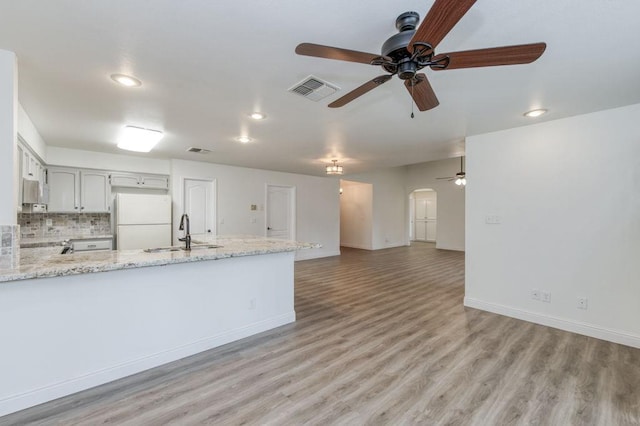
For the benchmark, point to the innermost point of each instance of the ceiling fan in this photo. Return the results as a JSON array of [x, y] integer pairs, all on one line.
[[460, 177], [410, 50]]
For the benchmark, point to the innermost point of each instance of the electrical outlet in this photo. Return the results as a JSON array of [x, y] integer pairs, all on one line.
[[535, 294], [546, 296], [582, 303]]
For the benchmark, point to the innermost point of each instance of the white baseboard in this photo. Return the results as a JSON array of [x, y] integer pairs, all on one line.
[[573, 326], [315, 254], [356, 246], [453, 248], [76, 384]]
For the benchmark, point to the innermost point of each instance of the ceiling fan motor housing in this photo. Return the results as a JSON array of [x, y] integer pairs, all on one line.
[[396, 47]]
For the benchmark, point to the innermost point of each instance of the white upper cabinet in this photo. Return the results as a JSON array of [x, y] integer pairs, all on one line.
[[64, 190], [94, 192], [78, 191], [137, 180]]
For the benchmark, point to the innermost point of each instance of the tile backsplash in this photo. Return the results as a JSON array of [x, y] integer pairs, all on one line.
[[34, 225], [10, 248]]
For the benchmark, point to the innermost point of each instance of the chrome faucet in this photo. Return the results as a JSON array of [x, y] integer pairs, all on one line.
[[187, 233]]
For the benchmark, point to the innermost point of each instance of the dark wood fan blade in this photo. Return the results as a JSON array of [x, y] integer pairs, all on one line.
[[443, 15], [505, 55], [355, 93], [422, 93], [320, 51]]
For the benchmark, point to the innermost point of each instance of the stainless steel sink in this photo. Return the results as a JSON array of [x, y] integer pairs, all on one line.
[[204, 246], [169, 249], [162, 249]]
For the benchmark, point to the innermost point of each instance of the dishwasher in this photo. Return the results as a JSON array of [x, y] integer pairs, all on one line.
[[90, 244]]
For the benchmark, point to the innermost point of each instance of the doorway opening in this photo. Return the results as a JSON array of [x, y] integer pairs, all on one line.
[[281, 212], [356, 215], [423, 215]]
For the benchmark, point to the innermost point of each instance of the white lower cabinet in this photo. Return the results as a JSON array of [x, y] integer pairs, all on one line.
[[78, 191]]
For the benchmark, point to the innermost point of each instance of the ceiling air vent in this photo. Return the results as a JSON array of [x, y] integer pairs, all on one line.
[[314, 88], [199, 150]]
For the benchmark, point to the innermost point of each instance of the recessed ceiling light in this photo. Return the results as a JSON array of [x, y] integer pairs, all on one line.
[[244, 139], [258, 116], [535, 113], [138, 139], [126, 80]]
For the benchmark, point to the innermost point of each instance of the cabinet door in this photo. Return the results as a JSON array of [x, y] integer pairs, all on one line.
[[64, 191], [94, 192], [26, 163], [20, 174], [125, 180], [155, 182]]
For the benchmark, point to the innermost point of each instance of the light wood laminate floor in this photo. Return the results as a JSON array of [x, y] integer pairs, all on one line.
[[381, 338]]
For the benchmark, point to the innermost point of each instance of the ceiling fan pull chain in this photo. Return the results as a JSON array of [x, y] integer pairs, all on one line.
[[412, 100]]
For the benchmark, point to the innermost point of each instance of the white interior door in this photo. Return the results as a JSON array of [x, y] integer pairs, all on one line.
[[199, 204], [430, 219], [280, 212], [425, 217]]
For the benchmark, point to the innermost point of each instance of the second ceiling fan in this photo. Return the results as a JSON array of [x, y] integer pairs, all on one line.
[[410, 50]]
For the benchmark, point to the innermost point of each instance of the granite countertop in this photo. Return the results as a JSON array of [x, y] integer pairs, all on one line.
[[44, 262], [32, 242]]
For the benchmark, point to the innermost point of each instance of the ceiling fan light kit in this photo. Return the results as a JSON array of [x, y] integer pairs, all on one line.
[[460, 178], [413, 48]]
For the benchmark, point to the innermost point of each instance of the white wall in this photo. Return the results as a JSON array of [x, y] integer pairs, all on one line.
[[356, 215], [8, 133], [100, 160], [317, 202], [390, 207], [568, 196], [30, 134], [451, 203]]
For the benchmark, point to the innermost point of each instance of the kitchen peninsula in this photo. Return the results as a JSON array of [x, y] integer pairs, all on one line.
[[106, 315]]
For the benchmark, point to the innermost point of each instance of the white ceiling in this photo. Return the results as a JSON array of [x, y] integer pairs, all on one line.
[[205, 65]]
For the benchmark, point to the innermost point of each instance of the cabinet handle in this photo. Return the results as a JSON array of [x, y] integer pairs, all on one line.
[[30, 174], [76, 207], [81, 208]]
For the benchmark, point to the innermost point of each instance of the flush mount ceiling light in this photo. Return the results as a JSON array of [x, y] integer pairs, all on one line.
[[244, 139], [535, 113], [257, 116], [126, 80], [334, 169], [138, 139]]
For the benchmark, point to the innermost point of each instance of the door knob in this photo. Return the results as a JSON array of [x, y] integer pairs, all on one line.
[[268, 228]]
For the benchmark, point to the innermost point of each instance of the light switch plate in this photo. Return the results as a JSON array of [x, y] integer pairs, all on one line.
[[492, 219]]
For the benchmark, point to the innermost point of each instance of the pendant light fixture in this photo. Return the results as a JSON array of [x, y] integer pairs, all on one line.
[[334, 169]]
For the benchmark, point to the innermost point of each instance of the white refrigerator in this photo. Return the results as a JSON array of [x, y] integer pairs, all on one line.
[[143, 221]]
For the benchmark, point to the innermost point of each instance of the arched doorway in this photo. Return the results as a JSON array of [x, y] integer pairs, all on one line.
[[423, 212]]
